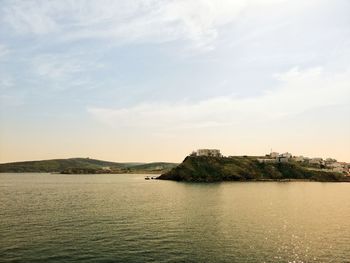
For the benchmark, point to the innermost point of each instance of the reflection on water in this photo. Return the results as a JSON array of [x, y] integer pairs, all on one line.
[[124, 218]]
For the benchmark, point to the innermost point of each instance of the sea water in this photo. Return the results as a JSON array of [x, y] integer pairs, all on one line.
[[125, 218]]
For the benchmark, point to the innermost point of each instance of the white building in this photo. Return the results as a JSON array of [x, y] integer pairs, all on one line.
[[299, 158], [274, 154], [282, 159], [316, 161], [330, 160], [209, 152], [339, 167], [286, 155], [335, 165]]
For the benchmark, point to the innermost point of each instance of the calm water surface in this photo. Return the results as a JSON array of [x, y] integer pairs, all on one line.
[[124, 218]]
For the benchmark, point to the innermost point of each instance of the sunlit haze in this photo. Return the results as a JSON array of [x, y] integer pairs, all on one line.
[[153, 80]]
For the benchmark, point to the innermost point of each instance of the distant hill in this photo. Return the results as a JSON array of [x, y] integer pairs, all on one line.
[[83, 165], [216, 169]]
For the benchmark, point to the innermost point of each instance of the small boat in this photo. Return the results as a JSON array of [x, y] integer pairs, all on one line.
[[147, 178]]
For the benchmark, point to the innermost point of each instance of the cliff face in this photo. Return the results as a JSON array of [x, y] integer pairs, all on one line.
[[215, 169]]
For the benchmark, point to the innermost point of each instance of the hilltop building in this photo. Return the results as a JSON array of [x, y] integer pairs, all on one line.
[[340, 167], [330, 161], [286, 155], [282, 159], [299, 158], [276, 157], [208, 152], [316, 161], [274, 154]]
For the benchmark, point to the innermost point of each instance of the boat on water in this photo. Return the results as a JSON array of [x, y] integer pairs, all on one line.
[[147, 178]]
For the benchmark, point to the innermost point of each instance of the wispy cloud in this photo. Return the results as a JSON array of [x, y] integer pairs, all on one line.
[[56, 66], [197, 21], [300, 91], [29, 17], [64, 70]]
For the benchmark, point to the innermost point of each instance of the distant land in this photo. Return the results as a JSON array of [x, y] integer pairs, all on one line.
[[205, 165], [84, 166], [247, 168]]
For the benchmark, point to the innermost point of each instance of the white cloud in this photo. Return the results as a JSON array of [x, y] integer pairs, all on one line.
[[29, 17], [300, 91], [197, 21], [56, 67], [59, 67]]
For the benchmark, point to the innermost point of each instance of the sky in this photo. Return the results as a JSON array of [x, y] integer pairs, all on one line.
[[152, 80]]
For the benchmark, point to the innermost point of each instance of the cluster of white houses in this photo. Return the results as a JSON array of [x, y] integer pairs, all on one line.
[[207, 152], [329, 163], [275, 157]]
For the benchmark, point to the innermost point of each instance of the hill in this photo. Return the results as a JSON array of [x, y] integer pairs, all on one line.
[[83, 165], [215, 169]]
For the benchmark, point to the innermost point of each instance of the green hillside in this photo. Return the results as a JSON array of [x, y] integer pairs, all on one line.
[[214, 169], [55, 165], [83, 165], [157, 166]]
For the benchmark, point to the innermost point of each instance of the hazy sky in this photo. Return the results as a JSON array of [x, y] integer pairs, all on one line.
[[128, 80]]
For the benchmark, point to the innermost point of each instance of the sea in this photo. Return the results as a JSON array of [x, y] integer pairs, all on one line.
[[125, 218]]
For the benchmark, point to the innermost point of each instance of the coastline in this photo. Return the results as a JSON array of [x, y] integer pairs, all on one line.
[[208, 169]]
